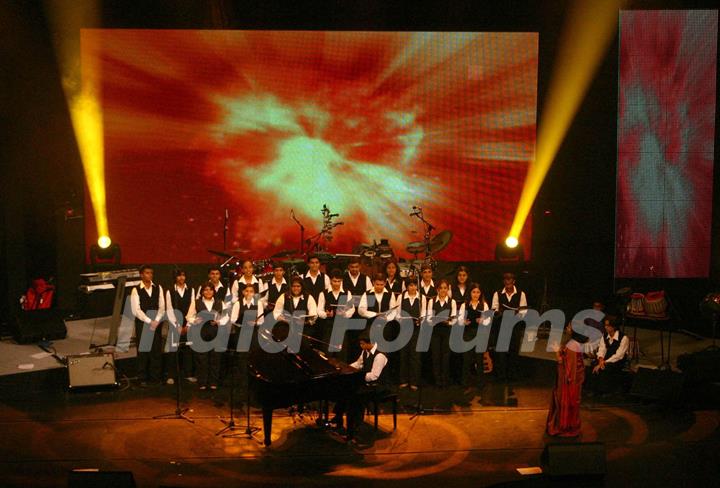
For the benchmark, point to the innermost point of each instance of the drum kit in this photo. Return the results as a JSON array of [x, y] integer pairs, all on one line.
[[373, 257]]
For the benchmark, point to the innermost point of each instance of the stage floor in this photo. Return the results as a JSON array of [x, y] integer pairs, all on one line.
[[47, 432]]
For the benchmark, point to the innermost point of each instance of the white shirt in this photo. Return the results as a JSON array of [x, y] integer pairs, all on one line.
[[313, 279], [388, 284], [217, 286], [485, 320], [235, 314], [349, 308], [170, 310], [426, 288], [368, 283], [377, 367], [236, 284], [523, 300], [207, 306], [462, 288], [369, 314], [135, 303], [280, 306], [621, 351], [265, 299], [453, 310]]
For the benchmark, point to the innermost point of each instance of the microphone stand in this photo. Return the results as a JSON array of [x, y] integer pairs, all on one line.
[[180, 413], [302, 231]]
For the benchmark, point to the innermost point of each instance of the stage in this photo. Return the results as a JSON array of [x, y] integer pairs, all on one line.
[[459, 441]]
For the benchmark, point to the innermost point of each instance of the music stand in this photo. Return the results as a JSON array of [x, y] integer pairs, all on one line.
[[179, 413]]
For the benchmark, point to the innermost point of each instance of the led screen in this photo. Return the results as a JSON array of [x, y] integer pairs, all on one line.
[[666, 133], [268, 122]]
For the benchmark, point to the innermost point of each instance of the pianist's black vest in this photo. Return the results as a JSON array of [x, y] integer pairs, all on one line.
[[411, 310], [273, 294], [359, 288], [506, 304], [460, 297], [148, 302], [374, 306], [368, 364], [431, 293], [395, 287], [301, 306], [244, 308], [314, 289], [612, 348], [181, 303]]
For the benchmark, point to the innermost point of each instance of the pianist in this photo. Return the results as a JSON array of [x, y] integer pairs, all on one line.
[[371, 362]]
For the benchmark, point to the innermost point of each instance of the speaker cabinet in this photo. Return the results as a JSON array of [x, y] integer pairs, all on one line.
[[91, 370], [658, 385], [38, 325], [574, 459]]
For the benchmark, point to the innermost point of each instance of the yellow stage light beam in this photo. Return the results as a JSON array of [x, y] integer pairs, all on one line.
[[81, 85], [589, 29]]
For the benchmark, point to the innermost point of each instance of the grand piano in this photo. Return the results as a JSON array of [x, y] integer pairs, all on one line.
[[283, 379]]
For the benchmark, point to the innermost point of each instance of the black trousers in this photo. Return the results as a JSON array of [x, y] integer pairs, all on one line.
[[410, 371], [208, 367], [149, 364], [609, 380], [440, 349], [356, 404]]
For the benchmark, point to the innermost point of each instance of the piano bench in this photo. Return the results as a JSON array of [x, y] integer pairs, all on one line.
[[385, 397]]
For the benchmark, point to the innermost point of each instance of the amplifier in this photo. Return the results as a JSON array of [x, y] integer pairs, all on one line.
[[91, 370]]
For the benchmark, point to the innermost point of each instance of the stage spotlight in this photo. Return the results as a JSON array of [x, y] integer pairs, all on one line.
[[589, 29], [104, 242], [510, 251]]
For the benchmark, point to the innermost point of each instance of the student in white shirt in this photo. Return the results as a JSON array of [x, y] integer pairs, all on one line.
[[427, 285], [180, 304], [412, 310], [297, 305], [209, 317], [442, 313], [148, 306], [221, 292], [276, 287], [247, 278], [478, 321], [332, 303], [611, 358]]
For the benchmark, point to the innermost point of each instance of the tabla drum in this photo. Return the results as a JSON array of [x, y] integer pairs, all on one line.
[[636, 305], [655, 304]]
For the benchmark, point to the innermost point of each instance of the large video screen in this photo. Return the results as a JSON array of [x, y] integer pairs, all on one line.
[[666, 134], [269, 123]]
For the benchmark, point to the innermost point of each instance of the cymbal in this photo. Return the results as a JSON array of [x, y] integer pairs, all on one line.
[[293, 262], [284, 253], [222, 254], [440, 241], [239, 251], [415, 247]]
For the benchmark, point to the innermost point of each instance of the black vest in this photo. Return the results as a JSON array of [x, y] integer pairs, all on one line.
[[513, 303], [431, 293], [440, 311], [374, 306], [148, 302], [611, 349], [181, 303], [315, 289], [272, 292], [220, 293], [396, 286], [301, 306], [411, 310], [473, 314], [355, 290], [208, 332], [330, 299], [368, 363], [244, 308], [200, 307], [459, 296]]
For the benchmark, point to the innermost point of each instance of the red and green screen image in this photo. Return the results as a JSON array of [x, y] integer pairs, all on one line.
[[666, 135], [265, 122]]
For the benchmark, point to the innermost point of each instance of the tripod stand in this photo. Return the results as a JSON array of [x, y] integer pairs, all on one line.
[[230, 426], [179, 412]]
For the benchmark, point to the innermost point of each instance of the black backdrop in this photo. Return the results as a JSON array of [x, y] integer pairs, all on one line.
[[42, 174]]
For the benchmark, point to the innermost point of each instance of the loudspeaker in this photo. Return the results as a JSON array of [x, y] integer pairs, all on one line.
[[701, 366], [655, 384], [88, 370], [38, 325], [100, 479], [574, 459]]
